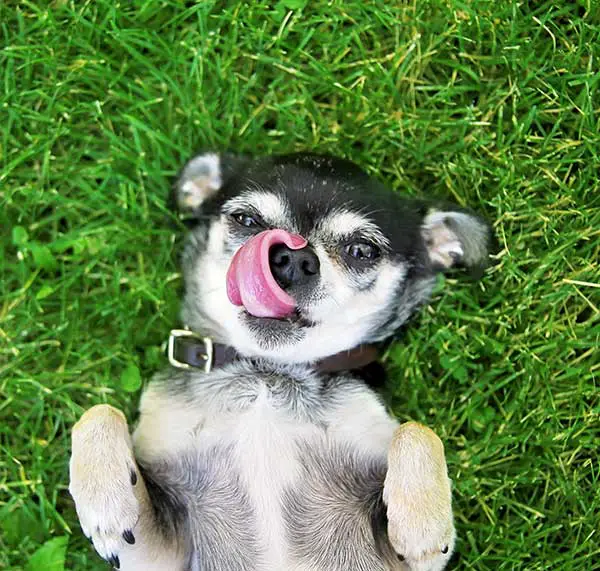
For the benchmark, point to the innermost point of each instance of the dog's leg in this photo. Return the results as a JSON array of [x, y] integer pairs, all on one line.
[[418, 499], [111, 498]]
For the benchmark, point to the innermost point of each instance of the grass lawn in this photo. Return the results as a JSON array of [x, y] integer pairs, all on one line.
[[492, 104]]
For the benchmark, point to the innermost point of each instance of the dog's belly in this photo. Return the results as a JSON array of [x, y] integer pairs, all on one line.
[[266, 492]]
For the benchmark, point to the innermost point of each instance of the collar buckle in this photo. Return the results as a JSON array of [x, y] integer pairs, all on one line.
[[208, 357]]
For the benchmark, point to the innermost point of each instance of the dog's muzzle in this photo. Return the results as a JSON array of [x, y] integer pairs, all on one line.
[[250, 279]]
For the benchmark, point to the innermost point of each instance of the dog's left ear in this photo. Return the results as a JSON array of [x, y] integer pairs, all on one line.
[[202, 177], [456, 238]]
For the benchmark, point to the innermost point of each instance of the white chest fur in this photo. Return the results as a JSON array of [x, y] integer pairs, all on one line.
[[265, 444], [265, 425]]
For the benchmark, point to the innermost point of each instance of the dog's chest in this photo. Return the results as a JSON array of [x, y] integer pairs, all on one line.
[[272, 473], [263, 443]]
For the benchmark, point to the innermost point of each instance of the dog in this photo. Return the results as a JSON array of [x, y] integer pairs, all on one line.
[[260, 448]]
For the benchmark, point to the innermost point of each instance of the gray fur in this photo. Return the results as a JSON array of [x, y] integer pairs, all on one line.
[[298, 391], [328, 514], [217, 518], [337, 497]]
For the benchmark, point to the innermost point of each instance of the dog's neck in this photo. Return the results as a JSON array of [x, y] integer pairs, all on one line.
[[189, 350]]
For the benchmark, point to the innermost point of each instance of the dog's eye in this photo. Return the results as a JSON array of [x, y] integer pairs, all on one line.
[[246, 220], [363, 251]]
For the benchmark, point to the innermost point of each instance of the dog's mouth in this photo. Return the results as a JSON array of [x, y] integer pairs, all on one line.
[[250, 282], [295, 319]]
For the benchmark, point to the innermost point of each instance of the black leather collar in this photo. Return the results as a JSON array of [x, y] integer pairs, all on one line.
[[189, 350]]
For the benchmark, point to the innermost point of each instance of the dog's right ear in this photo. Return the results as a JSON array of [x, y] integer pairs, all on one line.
[[202, 177], [455, 237]]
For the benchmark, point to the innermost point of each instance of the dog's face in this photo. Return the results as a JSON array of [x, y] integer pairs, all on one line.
[[296, 258]]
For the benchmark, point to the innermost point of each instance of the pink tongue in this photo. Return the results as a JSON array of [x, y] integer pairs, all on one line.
[[249, 279]]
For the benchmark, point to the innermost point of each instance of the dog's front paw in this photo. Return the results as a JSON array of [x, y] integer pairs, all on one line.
[[104, 481], [418, 498]]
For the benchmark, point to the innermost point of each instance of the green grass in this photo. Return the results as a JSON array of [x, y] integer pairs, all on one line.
[[492, 104]]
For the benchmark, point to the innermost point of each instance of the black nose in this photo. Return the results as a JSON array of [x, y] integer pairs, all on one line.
[[293, 267]]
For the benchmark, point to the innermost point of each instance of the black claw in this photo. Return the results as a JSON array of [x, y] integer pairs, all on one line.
[[114, 561], [445, 549], [128, 536], [133, 477]]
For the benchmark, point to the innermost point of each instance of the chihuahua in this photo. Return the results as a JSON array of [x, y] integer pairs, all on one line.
[[260, 448]]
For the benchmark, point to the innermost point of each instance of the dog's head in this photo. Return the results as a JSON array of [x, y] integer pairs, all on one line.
[[298, 257]]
